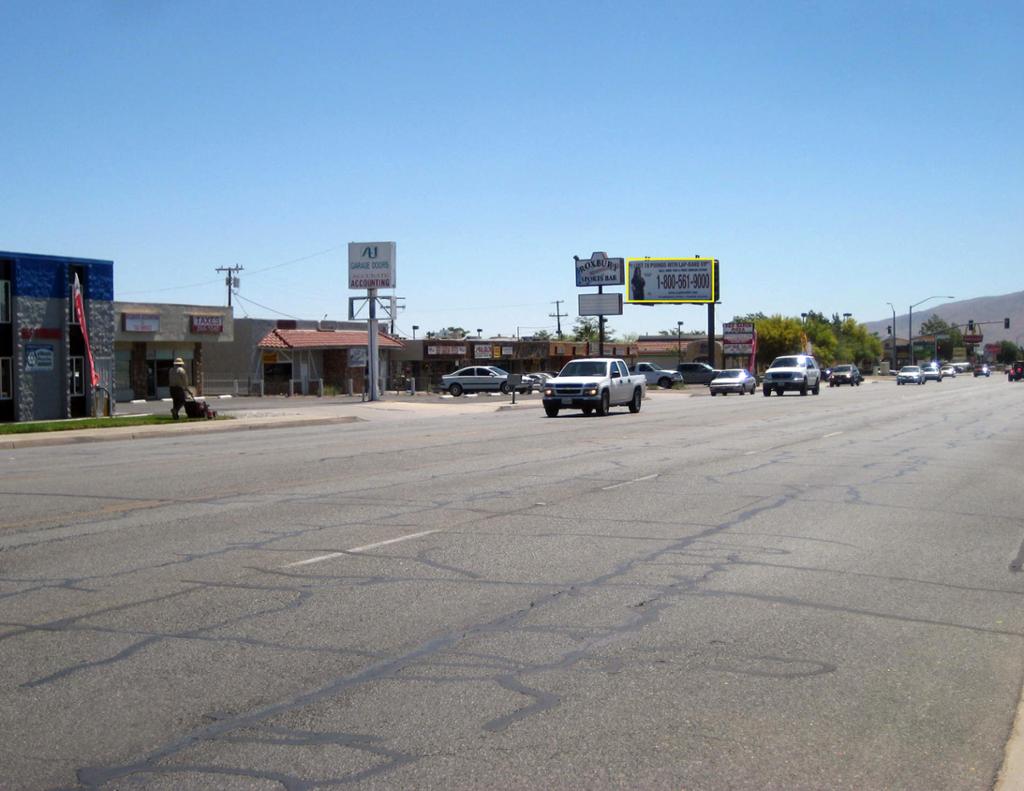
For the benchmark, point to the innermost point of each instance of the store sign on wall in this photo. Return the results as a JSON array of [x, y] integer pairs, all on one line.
[[39, 357], [446, 349], [141, 322], [207, 325]]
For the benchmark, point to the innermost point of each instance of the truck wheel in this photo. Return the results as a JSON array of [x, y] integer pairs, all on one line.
[[803, 388], [817, 387], [455, 389], [766, 390], [634, 405], [713, 393], [602, 410], [588, 410], [551, 410], [665, 382]]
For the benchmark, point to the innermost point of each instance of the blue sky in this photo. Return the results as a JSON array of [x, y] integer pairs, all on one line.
[[834, 156]]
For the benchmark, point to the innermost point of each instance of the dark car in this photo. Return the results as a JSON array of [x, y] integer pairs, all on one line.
[[1016, 371], [696, 373], [845, 375], [981, 369]]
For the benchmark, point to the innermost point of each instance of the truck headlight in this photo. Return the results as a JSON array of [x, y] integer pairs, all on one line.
[[549, 391], [590, 391]]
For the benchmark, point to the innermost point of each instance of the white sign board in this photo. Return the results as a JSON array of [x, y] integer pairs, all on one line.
[[737, 348], [599, 270], [358, 357], [600, 305], [653, 280], [482, 352], [742, 331], [371, 265]]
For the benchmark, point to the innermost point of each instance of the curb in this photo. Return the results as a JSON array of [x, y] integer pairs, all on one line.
[[117, 434]]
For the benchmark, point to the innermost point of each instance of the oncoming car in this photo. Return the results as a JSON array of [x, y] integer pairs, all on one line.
[[845, 375], [733, 380], [792, 372], [910, 375]]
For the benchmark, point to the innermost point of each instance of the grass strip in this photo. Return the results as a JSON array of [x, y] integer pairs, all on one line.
[[38, 426]]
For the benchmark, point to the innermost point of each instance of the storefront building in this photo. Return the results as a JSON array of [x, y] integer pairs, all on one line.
[[149, 336], [46, 370], [316, 361]]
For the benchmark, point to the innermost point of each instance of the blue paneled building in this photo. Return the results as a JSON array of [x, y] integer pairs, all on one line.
[[44, 366]]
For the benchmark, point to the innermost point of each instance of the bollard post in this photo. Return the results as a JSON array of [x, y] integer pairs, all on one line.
[[412, 385], [350, 387]]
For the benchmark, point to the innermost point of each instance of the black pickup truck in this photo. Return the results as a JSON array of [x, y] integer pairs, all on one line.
[[697, 373]]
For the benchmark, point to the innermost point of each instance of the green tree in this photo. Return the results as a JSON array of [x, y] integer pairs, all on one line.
[[857, 345], [1008, 352], [585, 329], [542, 335], [818, 330], [777, 335], [938, 326], [628, 337]]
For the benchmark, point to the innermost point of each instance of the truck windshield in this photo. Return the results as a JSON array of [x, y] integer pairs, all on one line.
[[585, 368], [786, 362]]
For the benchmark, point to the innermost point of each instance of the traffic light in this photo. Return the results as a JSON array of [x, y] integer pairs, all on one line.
[[970, 325], [888, 330], [1006, 323]]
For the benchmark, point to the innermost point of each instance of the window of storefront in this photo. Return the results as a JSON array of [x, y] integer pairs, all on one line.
[[77, 376], [5, 301], [6, 385], [123, 368]]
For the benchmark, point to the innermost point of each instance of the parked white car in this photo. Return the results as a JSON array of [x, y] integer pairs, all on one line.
[[656, 375]]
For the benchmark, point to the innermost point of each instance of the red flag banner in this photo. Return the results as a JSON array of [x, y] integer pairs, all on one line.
[[80, 315]]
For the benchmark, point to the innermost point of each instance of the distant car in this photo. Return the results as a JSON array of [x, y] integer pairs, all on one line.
[[845, 375], [479, 379], [931, 371], [982, 370], [696, 373], [1015, 372], [949, 370], [733, 380], [910, 375]]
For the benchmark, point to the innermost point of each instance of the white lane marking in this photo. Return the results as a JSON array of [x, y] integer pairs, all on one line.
[[833, 434], [627, 483], [363, 548], [750, 453]]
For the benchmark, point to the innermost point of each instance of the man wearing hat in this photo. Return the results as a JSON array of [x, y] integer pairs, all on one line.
[[178, 381]]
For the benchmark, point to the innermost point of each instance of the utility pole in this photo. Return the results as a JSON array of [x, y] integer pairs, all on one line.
[[558, 315], [230, 280]]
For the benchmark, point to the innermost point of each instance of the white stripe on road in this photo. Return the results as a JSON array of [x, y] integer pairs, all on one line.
[[627, 483], [833, 434], [363, 548], [750, 453]]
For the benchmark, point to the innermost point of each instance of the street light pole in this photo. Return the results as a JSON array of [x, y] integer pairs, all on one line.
[[679, 340], [910, 321], [892, 335]]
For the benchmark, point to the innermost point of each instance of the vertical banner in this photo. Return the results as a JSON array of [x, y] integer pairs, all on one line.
[[80, 315]]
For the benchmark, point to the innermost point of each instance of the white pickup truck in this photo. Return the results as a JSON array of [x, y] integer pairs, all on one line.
[[594, 385]]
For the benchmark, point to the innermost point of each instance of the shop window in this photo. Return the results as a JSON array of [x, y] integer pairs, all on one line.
[[77, 376], [6, 383], [5, 301]]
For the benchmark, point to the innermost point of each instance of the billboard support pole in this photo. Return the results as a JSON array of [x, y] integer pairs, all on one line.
[[600, 328], [712, 356], [371, 345]]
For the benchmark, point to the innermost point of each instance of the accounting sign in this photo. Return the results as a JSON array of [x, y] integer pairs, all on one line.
[[653, 280], [371, 265]]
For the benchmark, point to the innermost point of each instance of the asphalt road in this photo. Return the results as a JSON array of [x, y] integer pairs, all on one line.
[[716, 593]]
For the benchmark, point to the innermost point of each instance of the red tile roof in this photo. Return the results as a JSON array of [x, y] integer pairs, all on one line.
[[323, 339]]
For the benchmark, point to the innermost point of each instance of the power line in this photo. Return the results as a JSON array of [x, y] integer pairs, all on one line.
[[230, 280], [257, 304]]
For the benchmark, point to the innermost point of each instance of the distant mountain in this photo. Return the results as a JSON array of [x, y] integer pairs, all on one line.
[[978, 309]]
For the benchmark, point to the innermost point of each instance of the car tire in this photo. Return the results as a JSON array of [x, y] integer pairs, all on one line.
[[455, 389], [605, 405], [817, 387], [803, 388], [665, 382], [551, 410], [506, 388], [713, 393], [634, 405]]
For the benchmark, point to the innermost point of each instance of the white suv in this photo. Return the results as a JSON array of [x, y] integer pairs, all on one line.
[[792, 372]]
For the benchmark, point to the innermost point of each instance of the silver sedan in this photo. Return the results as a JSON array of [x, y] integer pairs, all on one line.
[[733, 380]]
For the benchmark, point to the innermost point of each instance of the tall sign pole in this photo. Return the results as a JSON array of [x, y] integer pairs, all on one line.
[[371, 265], [600, 270]]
